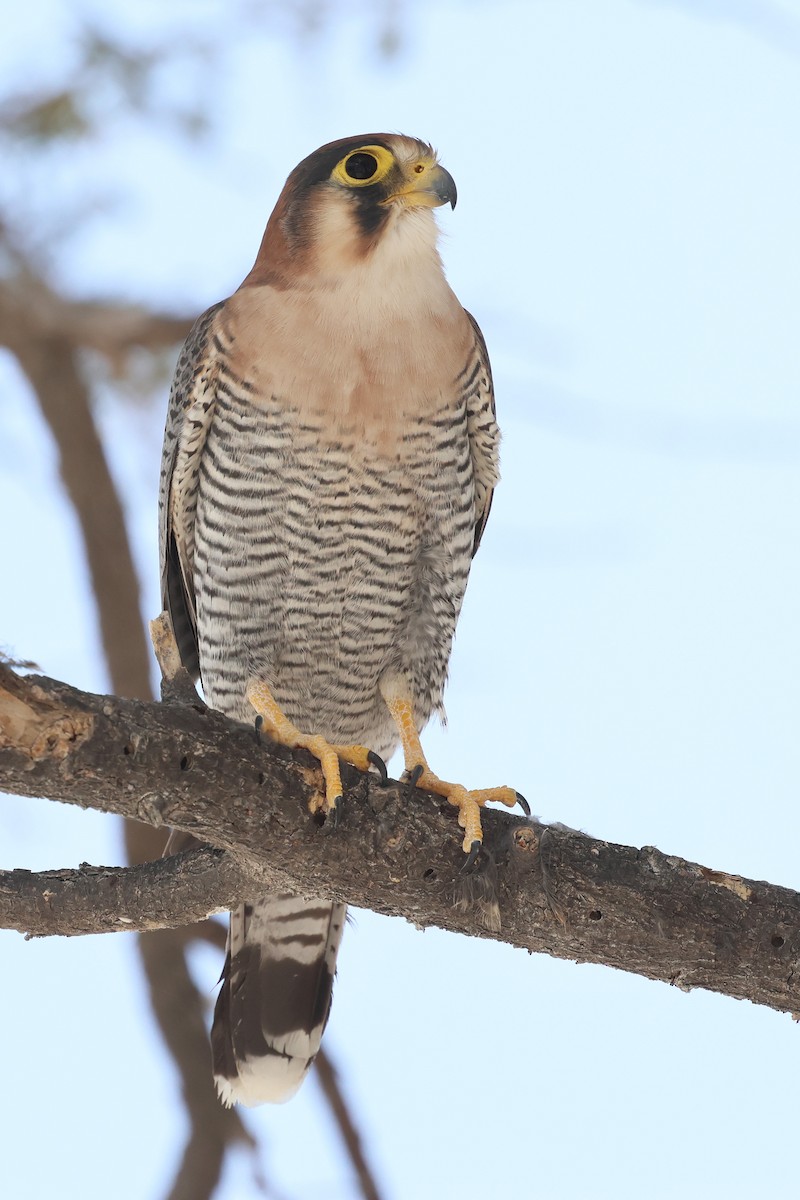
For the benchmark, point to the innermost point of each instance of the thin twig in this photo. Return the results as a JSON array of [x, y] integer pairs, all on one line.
[[329, 1082]]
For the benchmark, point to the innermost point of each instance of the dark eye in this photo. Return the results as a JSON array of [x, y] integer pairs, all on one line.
[[361, 166]]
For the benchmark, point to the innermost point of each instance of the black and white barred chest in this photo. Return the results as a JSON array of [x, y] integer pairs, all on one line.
[[321, 563]]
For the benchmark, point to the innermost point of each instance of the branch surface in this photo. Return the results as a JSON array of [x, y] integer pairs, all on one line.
[[541, 888]]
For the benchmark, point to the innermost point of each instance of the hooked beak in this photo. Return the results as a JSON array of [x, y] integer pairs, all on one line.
[[428, 186]]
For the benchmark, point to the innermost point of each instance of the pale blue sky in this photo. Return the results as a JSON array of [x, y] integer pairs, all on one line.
[[627, 235]]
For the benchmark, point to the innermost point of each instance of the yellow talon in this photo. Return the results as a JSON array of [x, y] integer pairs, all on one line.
[[357, 756], [281, 730], [468, 803]]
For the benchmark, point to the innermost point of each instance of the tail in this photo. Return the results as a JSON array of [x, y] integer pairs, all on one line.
[[275, 997]]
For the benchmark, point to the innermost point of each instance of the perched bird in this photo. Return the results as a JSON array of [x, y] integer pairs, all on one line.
[[329, 459]]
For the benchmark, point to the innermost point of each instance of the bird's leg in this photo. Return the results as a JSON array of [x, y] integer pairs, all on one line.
[[281, 730], [397, 694]]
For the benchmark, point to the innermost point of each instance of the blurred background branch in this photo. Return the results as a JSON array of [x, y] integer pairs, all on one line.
[[70, 346]]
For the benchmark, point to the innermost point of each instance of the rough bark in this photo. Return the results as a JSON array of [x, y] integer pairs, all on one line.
[[542, 888]]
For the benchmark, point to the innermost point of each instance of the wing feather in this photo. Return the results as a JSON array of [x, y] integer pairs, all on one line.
[[484, 435], [191, 408]]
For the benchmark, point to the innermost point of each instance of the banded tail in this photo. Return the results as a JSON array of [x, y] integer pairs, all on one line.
[[275, 997]]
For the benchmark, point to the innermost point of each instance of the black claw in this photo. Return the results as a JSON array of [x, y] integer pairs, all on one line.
[[523, 803], [415, 775], [259, 723], [475, 850], [379, 765], [337, 808]]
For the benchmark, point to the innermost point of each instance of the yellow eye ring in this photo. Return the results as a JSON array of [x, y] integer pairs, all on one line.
[[363, 166]]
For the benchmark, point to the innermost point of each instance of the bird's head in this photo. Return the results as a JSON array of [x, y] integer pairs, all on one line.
[[339, 203]]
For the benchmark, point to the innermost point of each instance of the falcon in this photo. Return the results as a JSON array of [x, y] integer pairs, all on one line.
[[329, 459]]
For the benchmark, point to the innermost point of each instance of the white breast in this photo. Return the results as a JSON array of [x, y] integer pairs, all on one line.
[[366, 346]]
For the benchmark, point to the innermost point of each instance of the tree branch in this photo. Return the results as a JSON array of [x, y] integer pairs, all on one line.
[[30, 310], [51, 363], [328, 1078], [163, 894], [555, 890]]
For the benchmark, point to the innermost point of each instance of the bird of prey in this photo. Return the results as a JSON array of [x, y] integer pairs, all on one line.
[[329, 459]]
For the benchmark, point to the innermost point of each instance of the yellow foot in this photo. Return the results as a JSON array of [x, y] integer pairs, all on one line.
[[281, 730], [468, 803]]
